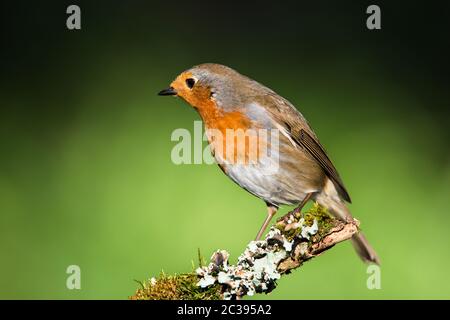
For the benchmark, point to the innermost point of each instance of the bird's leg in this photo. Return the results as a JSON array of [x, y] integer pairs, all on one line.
[[298, 209], [271, 210]]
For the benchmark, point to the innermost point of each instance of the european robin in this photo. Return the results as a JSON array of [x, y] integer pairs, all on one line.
[[227, 100]]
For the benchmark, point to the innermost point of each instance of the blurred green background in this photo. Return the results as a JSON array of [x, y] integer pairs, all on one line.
[[85, 171]]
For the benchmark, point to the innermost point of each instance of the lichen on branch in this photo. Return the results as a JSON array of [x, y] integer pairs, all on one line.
[[294, 239]]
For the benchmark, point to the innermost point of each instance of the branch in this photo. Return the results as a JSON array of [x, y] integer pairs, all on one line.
[[294, 239]]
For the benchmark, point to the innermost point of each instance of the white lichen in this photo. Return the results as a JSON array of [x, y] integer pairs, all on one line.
[[309, 231], [224, 277], [256, 269], [287, 245], [206, 281], [267, 265]]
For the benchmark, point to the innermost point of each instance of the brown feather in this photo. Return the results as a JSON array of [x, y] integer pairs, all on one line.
[[317, 151], [300, 131]]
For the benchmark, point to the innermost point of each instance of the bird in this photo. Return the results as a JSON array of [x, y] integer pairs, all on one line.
[[293, 169]]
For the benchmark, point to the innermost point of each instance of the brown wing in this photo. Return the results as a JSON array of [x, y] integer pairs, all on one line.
[[318, 153], [287, 115]]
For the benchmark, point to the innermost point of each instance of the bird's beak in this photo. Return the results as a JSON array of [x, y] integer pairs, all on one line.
[[168, 92]]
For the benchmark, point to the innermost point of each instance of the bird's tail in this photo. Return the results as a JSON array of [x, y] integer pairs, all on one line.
[[330, 199], [364, 249]]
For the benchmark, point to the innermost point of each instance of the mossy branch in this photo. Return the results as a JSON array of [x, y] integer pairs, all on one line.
[[294, 239]]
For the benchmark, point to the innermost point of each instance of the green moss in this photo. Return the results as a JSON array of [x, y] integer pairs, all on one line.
[[291, 234], [184, 286], [176, 287], [324, 219]]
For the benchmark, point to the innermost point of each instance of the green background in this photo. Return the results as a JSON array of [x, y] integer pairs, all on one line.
[[85, 171]]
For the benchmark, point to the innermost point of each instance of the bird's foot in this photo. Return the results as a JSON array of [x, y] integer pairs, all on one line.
[[296, 213], [288, 218], [292, 215]]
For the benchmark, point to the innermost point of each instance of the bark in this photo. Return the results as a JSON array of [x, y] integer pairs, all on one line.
[[294, 239]]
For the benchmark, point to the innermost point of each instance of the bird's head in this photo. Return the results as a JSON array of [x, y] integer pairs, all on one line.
[[208, 84]]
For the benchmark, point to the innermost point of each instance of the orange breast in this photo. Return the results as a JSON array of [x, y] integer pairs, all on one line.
[[232, 136]]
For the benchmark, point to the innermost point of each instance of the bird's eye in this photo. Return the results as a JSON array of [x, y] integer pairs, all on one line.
[[190, 82]]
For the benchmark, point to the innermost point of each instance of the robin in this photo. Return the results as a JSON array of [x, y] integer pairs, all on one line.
[[227, 100]]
